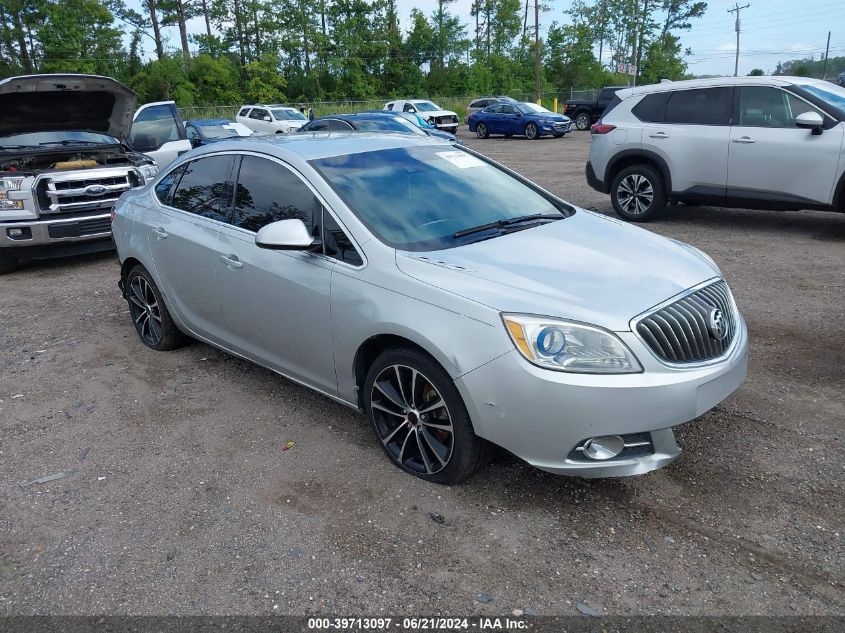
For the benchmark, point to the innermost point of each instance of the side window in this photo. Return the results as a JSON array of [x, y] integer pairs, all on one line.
[[243, 112], [390, 106], [318, 126], [205, 187], [191, 132], [258, 113], [267, 192], [507, 109], [337, 244], [761, 106], [152, 128], [336, 125], [494, 109], [704, 106], [165, 186], [409, 107], [651, 108]]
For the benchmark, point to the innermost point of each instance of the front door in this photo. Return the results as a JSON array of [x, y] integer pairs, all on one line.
[[771, 158], [276, 304]]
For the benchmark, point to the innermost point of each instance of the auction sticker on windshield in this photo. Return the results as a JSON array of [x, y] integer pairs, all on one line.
[[461, 159]]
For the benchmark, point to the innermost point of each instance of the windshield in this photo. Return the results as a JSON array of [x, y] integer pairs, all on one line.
[[832, 95], [417, 198], [531, 108], [426, 106], [71, 137], [416, 120], [224, 130], [288, 115], [386, 123]]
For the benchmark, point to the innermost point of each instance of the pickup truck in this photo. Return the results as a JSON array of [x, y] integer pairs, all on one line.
[[65, 159], [586, 112]]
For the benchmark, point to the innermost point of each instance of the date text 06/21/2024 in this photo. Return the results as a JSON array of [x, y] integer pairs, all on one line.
[[417, 624]]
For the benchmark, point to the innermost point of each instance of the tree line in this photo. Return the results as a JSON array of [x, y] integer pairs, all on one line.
[[320, 50]]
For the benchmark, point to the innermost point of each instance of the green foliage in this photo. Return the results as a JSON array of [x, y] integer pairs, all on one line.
[[264, 83], [756, 72], [662, 60], [810, 67]]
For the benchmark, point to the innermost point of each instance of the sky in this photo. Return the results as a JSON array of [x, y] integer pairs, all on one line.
[[771, 31]]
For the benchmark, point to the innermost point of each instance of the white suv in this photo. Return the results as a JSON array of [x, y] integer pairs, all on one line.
[[748, 142], [271, 119]]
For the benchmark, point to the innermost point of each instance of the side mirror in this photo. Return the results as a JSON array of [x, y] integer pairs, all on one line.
[[267, 118], [195, 141], [285, 235], [811, 121]]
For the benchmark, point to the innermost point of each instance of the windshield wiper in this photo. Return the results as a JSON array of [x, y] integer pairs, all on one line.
[[499, 224]]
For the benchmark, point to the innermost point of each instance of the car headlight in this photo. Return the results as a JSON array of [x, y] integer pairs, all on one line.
[[7, 185], [567, 346], [148, 171]]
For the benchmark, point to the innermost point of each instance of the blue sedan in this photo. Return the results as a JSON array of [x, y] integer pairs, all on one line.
[[518, 119]]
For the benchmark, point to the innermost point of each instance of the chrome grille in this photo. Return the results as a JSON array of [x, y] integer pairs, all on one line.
[[682, 332], [75, 192]]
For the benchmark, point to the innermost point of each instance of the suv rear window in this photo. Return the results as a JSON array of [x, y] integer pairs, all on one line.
[[651, 108], [703, 106], [613, 103]]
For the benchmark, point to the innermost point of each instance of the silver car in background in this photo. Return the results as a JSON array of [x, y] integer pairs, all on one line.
[[457, 304]]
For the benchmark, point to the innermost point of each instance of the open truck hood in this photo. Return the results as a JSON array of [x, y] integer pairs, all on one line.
[[40, 103]]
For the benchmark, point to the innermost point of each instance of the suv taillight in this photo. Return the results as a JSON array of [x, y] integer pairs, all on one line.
[[601, 128]]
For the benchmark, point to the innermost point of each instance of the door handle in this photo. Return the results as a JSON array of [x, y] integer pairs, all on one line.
[[743, 139], [160, 233], [659, 135], [232, 261]]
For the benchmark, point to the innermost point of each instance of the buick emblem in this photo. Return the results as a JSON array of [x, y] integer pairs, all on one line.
[[95, 190], [718, 325]]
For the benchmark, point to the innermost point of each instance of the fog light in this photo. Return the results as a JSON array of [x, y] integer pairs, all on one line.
[[24, 233], [605, 447]]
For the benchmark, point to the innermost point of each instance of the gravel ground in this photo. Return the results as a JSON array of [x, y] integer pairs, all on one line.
[[181, 499]]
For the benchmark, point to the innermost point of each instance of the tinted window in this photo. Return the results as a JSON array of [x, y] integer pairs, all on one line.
[[165, 186], [613, 103], [317, 126], [651, 108], [706, 106], [154, 127], [336, 243], [205, 187], [336, 125], [607, 94], [243, 112], [507, 109], [259, 114], [409, 107], [494, 109], [267, 192], [389, 106], [761, 106]]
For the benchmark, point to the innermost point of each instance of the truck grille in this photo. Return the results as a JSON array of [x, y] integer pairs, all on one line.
[[95, 190], [698, 327]]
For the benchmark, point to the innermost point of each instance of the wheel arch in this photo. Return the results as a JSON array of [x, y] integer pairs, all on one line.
[[639, 157], [839, 194]]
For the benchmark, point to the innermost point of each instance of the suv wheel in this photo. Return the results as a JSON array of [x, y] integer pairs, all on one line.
[[637, 194], [152, 321], [582, 121], [8, 263], [481, 130], [420, 419], [531, 131]]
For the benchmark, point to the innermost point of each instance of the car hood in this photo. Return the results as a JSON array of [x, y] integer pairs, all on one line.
[[587, 268], [41, 103], [549, 116], [431, 113], [294, 123]]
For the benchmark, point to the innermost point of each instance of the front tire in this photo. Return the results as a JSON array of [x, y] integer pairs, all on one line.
[[152, 321], [582, 121], [420, 419], [481, 131], [531, 132], [637, 194], [8, 263]]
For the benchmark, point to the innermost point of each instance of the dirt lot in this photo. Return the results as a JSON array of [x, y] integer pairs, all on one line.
[[181, 499]]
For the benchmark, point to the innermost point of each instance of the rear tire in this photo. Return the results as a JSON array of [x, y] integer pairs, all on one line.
[[8, 263], [152, 321], [481, 130], [637, 194], [582, 121], [420, 419]]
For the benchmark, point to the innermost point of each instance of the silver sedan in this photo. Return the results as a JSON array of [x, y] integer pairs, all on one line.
[[455, 303]]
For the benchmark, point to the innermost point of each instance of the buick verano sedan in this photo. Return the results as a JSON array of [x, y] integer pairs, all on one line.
[[455, 303]]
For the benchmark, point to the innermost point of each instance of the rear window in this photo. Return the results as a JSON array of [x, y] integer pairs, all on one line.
[[705, 106], [613, 103], [651, 108]]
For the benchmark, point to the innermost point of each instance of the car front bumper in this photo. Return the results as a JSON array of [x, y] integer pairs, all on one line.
[[49, 232], [556, 128], [543, 416]]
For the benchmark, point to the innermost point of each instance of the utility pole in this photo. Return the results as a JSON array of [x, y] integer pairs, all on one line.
[[736, 10], [538, 82], [636, 37], [826, 55]]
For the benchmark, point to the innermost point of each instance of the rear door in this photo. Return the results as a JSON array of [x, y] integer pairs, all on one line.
[[183, 233], [692, 139], [260, 119], [773, 159], [158, 132]]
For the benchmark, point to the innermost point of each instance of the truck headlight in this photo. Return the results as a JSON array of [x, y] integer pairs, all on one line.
[[149, 171], [567, 346], [8, 184]]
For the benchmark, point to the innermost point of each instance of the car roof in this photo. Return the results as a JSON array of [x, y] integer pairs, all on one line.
[[316, 145], [202, 122], [713, 82], [366, 114]]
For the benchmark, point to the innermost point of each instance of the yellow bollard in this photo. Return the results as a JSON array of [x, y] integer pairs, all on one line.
[[555, 109], [540, 102]]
